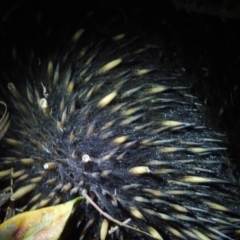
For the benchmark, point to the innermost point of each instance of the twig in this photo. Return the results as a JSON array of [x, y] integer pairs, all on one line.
[[121, 224]]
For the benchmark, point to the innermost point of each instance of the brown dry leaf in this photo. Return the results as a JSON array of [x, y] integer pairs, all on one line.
[[45, 223], [4, 120]]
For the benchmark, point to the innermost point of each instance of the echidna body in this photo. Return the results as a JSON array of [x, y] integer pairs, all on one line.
[[100, 116]]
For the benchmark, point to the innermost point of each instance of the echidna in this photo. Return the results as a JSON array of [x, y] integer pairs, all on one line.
[[97, 114]]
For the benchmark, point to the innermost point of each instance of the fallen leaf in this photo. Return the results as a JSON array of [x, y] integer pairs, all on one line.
[[42, 224], [4, 120]]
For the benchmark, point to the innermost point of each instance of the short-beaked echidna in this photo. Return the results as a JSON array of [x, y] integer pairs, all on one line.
[[97, 113]]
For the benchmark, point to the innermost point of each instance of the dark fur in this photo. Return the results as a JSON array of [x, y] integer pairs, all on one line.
[[174, 103]]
